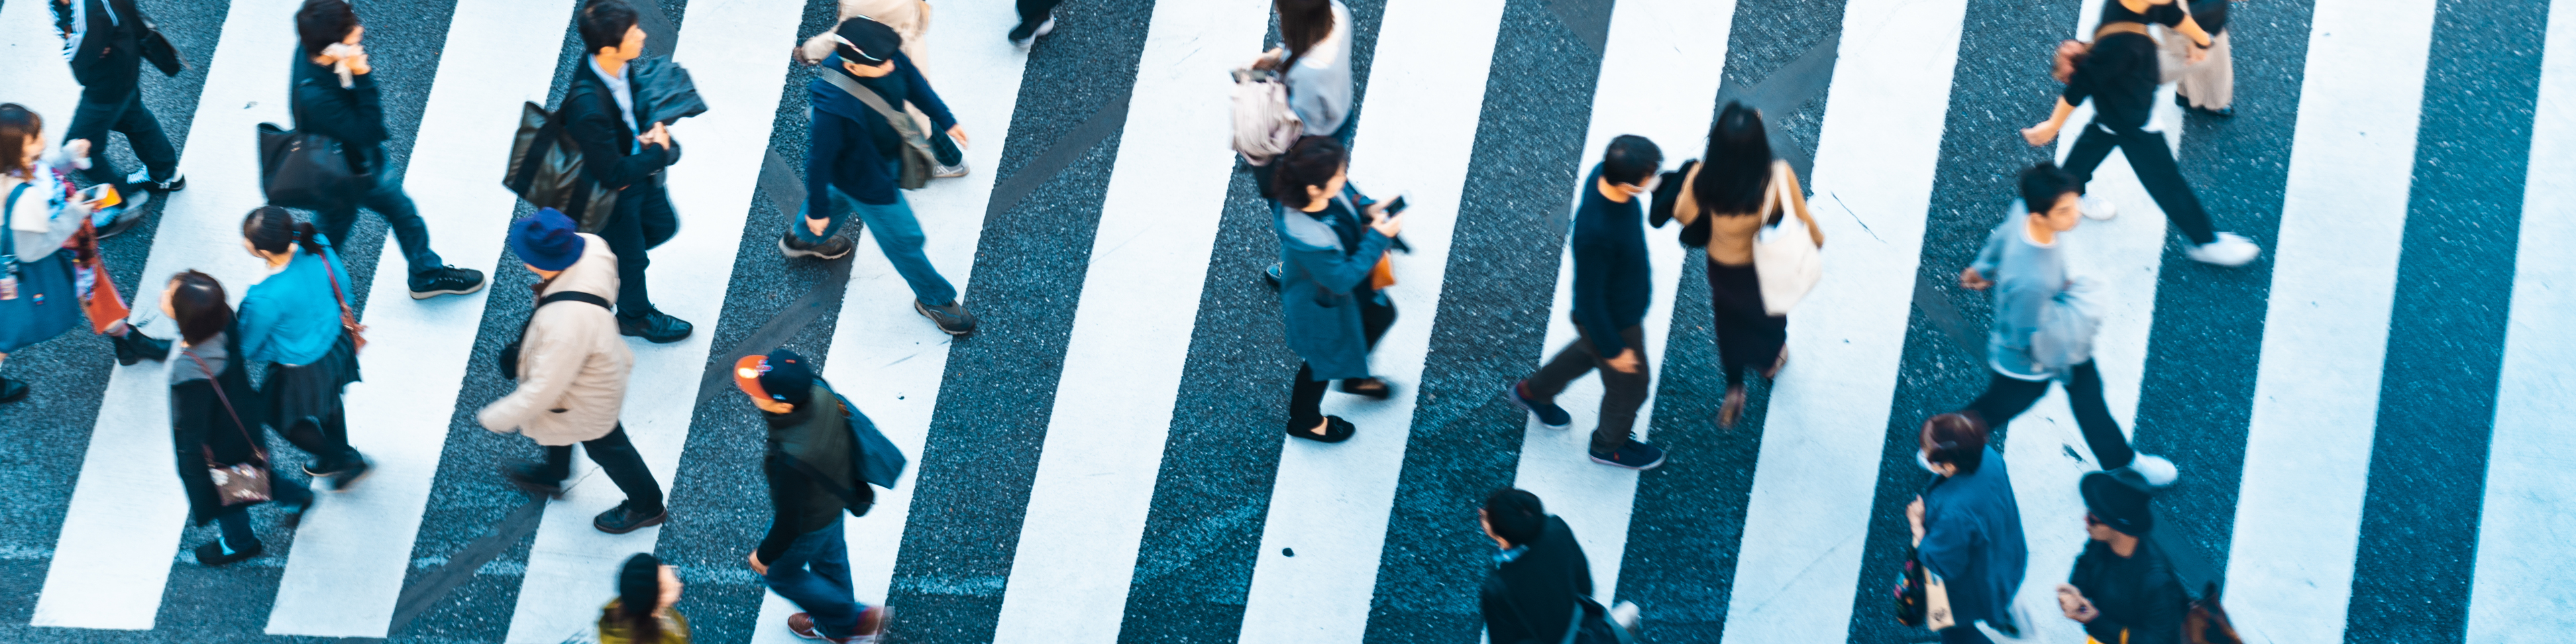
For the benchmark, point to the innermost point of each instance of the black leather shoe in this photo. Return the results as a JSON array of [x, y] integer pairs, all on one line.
[[654, 326], [1335, 430], [135, 347], [12, 391], [618, 520], [212, 554]]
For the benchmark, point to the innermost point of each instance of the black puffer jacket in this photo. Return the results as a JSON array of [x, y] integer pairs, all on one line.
[[2140, 599]]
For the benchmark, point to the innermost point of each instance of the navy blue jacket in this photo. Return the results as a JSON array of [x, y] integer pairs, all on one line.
[[354, 116], [853, 145], [1611, 275]]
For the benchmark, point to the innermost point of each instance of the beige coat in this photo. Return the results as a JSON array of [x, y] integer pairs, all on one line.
[[1730, 236], [572, 363]]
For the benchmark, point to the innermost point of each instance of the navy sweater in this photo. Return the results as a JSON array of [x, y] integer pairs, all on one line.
[[853, 144], [1611, 283]]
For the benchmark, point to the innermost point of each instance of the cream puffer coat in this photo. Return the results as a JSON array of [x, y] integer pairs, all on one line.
[[572, 363]]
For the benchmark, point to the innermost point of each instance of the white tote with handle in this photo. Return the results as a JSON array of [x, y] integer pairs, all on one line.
[[1785, 256]]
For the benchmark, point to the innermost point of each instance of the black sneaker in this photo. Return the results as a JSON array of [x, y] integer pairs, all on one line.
[[1635, 455], [349, 475], [952, 317], [1026, 34], [134, 347], [618, 520], [12, 390], [141, 180], [525, 477], [1549, 415], [837, 247], [654, 326], [212, 554], [446, 280]]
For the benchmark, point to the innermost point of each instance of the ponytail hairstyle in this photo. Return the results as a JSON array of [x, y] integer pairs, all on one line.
[[1737, 166], [639, 593], [16, 124], [271, 229], [1311, 162], [197, 304], [1955, 439], [1302, 24]]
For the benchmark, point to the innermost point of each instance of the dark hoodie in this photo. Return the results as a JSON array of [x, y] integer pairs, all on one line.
[[852, 143], [819, 435]]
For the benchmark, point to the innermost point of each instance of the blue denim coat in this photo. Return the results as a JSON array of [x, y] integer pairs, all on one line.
[[1318, 274], [1972, 538]]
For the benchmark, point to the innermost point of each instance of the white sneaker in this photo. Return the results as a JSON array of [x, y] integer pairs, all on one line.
[[1625, 614], [2157, 471], [2097, 208], [2230, 249]]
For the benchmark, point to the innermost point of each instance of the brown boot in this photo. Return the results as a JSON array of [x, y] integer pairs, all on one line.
[[1734, 406]]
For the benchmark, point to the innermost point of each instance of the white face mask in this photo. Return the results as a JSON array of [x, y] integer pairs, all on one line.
[[1926, 462]]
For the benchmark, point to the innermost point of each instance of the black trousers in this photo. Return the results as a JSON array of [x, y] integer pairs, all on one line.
[[2154, 163], [1306, 396], [1034, 12], [1621, 393], [389, 201], [617, 456], [634, 230], [2007, 397], [93, 120]]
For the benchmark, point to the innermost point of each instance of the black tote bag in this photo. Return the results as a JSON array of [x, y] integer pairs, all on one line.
[[306, 170]]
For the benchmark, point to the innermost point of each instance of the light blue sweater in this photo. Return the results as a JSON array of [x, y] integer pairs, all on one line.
[[292, 317], [2027, 277]]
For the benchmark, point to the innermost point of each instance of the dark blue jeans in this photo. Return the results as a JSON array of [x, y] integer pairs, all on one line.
[[388, 200], [815, 574], [898, 234]]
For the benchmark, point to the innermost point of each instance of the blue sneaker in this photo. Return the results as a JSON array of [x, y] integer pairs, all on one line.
[[1634, 454], [1548, 414]]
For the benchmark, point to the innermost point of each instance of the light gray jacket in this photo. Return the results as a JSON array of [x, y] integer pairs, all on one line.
[[2043, 323]]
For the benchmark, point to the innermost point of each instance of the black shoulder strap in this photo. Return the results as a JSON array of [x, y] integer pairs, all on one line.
[[576, 296]]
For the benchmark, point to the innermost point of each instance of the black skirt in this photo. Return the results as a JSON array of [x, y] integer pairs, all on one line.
[[1748, 336], [312, 390]]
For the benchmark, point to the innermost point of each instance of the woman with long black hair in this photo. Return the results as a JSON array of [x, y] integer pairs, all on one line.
[[641, 613], [291, 319], [1333, 311], [1722, 202], [212, 427]]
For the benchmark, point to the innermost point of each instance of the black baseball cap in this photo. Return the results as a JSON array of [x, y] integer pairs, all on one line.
[[2118, 502], [866, 42], [781, 376]]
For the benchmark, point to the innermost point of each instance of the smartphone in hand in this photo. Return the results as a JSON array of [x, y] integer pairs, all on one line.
[[100, 196]]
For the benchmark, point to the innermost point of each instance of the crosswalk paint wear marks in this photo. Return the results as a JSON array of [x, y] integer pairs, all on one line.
[[127, 508], [564, 582]]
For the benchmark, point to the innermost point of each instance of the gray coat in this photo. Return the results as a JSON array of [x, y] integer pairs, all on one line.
[[1317, 279]]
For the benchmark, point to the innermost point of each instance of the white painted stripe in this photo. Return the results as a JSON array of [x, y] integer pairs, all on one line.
[[2124, 255], [128, 510], [38, 77], [350, 556], [2325, 334], [727, 46], [1659, 78], [1330, 502], [1131, 331], [1812, 488], [2522, 590], [884, 356]]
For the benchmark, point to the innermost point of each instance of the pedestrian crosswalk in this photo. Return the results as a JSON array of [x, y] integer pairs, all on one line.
[[1311, 557]]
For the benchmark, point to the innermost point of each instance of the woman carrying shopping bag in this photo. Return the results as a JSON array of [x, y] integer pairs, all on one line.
[[1739, 203], [44, 292], [295, 319], [212, 423]]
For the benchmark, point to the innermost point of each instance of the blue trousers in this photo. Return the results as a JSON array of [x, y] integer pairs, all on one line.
[[897, 233], [815, 574], [387, 199]]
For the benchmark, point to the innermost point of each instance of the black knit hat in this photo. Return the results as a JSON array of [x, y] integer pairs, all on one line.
[[866, 42], [2118, 502]]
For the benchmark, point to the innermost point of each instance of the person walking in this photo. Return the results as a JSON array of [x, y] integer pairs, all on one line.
[[334, 94], [642, 613], [1328, 296], [1722, 202], [2119, 72], [1967, 528], [2122, 588], [804, 557], [1540, 573], [910, 19], [103, 41], [857, 154], [600, 111], [45, 216], [291, 320], [2043, 330], [572, 369], [1314, 60], [212, 426], [2204, 78], [1613, 282]]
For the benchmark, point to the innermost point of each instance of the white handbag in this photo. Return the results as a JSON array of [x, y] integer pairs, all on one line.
[[1785, 256]]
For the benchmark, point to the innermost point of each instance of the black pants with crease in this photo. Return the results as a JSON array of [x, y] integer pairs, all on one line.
[[1621, 392], [93, 120], [2154, 162], [632, 232], [617, 456], [2007, 397]]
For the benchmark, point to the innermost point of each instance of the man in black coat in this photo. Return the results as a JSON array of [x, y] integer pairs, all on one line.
[[1530, 597], [600, 111], [348, 109], [103, 40], [2122, 588]]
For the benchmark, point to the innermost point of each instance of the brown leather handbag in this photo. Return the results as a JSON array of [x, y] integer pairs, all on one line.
[[348, 317], [240, 483]]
